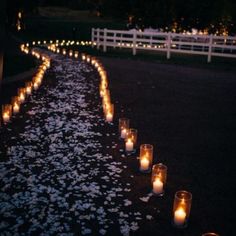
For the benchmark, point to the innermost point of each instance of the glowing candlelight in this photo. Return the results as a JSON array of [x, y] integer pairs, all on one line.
[[6, 117], [109, 117], [16, 108], [6, 112], [28, 88], [129, 145], [76, 54], [144, 164], [123, 133], [179, 217], [145, 157], [159, 175], [157, 186], [22, 97], [181, 208], [123, 127]]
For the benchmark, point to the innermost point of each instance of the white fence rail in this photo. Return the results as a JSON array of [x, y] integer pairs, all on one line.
[[207, 45]]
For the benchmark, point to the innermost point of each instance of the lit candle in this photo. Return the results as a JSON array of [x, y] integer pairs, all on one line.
[[123, 133], [6, 117], [16, 108], [179, 217], [129, 145], [109, 117], [144, 164], [157, 186], [22, 97], [28, 90], [36, 85]]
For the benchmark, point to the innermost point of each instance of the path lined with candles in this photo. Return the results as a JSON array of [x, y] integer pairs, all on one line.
[[69, 126], [57, 178]]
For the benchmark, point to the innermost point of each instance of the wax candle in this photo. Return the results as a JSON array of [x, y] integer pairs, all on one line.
[[109, 117], [144, 164], [6, 117], [36, 85], [16, 108], [129, 145], [22, 97], [158, 186], [123, 133], [179, 217], [28, 90]]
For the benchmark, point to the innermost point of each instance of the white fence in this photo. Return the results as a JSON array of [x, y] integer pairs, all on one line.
[[208, 45]]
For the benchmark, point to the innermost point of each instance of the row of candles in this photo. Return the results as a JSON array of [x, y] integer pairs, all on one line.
[[108, 107], [14, 107], [183, 199], [88, 43], [60, 43]]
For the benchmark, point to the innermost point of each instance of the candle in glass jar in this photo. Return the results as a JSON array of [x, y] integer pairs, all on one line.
[[129, 145], [158, 186], [22, 97], [123, 133], [179, 217], [109, 117], [28, 90], [16, 108], [144, 164], [6, 117]]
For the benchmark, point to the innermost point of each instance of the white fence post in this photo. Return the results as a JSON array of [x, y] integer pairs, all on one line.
[[92, 38], [98, 38], [210, 48], [184, 44], [134, 42], [114, 40], [105, 40], [168, 45]]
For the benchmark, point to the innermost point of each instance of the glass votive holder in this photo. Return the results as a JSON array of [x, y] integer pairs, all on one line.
[[131, 140], [210, 234], [76, 54], [145, 158], [123, 127], [83, 56], [181, 208], [28, 88], [159, 174], [106, 96], [88, 59], [6, 113], [96, 64], [109, 113], [70, 53], [103, 84], [21, 94], [15, 105]]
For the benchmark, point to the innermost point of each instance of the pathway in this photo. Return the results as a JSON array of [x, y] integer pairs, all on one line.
[[56, 175]]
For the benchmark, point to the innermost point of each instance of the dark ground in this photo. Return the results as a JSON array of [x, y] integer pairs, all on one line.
[[188, 114]]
